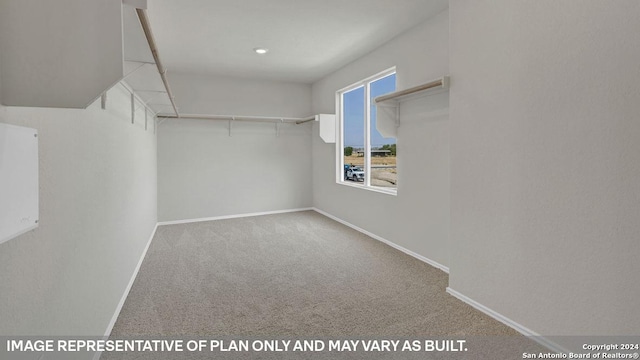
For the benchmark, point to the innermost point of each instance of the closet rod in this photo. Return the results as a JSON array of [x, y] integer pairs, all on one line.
[[306, 120], [144, 21], [270, 119], [433, 84]]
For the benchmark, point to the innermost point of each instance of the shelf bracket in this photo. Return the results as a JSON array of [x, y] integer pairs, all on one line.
[[392, 110]]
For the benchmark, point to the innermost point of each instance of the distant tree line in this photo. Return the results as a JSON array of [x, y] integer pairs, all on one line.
[[391, 147], [348, 150]]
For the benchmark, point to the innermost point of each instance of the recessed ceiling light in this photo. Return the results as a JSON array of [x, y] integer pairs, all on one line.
[[261, 51]]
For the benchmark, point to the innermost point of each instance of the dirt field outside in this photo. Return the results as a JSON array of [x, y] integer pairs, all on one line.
[[375, 160], [383, 177]]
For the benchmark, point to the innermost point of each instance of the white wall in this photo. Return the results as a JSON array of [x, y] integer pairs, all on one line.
[[219, 95], [421, 54], [418, 217], [97, 211], [545, 161], [203, 172]]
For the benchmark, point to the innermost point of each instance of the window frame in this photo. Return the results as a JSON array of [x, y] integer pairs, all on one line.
[[366, 84]]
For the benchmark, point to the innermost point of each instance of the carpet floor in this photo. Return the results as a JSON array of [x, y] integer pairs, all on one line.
[[289, 275]]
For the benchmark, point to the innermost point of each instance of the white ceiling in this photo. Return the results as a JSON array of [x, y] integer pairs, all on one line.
[[307, 39]]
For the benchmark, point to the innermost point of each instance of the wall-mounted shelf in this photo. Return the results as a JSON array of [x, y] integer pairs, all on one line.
[[327, 122], [67, 61], [270, 119], [388, 114], [232, 119]]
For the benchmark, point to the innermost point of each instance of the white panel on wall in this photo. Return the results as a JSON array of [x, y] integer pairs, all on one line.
[[327, 127], [18, 180]]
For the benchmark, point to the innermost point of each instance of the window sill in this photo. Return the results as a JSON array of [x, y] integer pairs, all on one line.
[[387, 191]]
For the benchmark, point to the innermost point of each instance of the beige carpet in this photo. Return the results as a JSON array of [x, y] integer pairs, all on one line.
[[289, 275]]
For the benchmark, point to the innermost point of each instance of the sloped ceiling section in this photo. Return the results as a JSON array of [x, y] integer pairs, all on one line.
[[59, 53]]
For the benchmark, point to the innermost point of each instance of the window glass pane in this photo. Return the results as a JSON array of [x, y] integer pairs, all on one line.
[[353, 106], [383, 150]]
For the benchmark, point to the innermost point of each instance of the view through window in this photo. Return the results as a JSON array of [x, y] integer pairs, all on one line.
[[369, 159]]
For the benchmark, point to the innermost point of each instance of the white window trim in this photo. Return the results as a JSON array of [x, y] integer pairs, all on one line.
[[367, 146]]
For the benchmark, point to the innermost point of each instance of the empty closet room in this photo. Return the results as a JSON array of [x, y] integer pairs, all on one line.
[[319, 179]]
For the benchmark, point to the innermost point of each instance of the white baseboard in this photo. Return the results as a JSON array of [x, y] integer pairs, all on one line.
[[381, 239], [187, 221], [503, 319], [114, 318], [510, 323]]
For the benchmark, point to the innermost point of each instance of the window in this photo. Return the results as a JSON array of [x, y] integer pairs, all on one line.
[[367, 158]]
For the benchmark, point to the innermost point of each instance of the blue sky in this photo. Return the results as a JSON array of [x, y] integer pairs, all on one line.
[[354, 103]]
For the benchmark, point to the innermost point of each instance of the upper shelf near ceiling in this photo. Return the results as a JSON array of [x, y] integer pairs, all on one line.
[[142, 72], [140, 68], [389, 105], [53, 57]]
